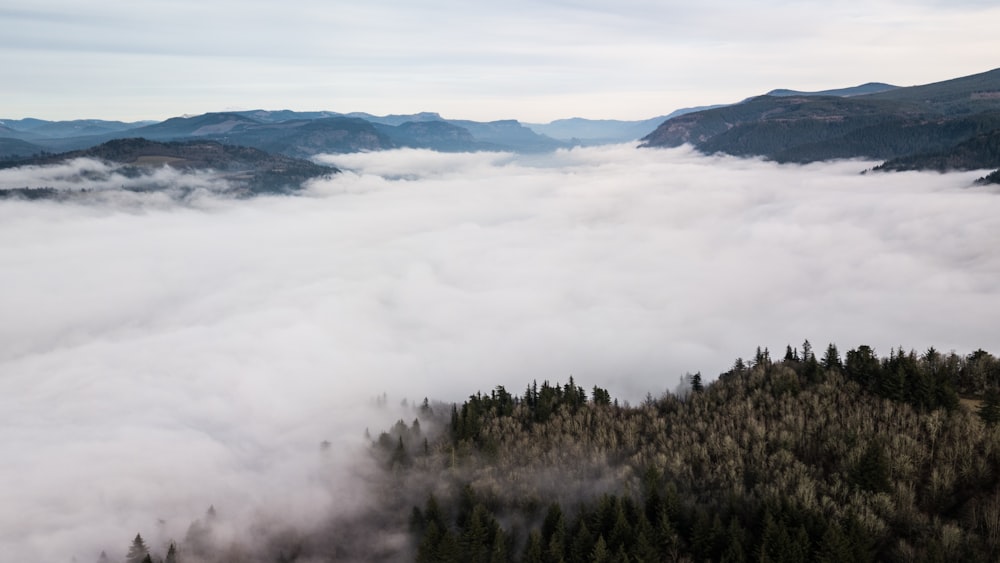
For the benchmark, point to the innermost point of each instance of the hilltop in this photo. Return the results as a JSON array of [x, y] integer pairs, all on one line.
[[936, 120], [852, 457], [244, 170]]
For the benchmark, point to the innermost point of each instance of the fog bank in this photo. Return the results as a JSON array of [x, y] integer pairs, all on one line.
[[156, 359]]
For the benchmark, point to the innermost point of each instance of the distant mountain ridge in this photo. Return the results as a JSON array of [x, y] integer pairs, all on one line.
[[31, 128], [247, 171], [307, 133], [933, 120], [872, 121], [860, 90], [297, 134]]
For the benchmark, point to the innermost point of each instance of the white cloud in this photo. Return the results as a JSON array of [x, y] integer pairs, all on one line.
[[158, 359], [533, 61]]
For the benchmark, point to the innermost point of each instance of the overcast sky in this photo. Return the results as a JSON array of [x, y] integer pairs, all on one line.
[[533, 60], [156, 358]]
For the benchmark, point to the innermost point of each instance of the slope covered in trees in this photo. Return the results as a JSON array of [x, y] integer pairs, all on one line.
[[248, 171], [831, 457], [940, 126]]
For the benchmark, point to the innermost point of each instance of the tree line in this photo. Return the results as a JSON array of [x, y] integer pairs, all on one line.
[[831, 457]]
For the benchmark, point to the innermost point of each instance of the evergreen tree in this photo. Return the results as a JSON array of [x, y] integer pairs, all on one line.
[[701, 536], [600, 553], [833, 547], [807, 351], [872, 471], [476, 536], [989, 410], [831, 360], [554, 534], [696, 384], [137, 551], [582, 543], [621, 530], [601, 396], [171, 554], [427, 550], [666, 538], [643, 548], [448, 549], [790, 355], [862, 365], [734, 550], [533, 551], [498, 548]]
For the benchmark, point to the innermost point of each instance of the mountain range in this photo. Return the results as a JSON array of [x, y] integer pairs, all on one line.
[[946, 125], [296, 134], [949, 125], [304, 134]]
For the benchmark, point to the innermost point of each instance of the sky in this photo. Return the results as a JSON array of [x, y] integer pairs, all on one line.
[[532, 60], [158, 357]]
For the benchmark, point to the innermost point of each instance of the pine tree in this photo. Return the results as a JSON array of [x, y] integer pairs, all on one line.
[[498, 549], [600, 553], [666, 538], [476, 536], [807, 351], [989, 410], [701, 535], [533, 550], [582, 542], [735, 540], [427, 549], [137, 551], [872, 471], [831, 360], [554, 534], [833, 547], [171, 554], [862, 365], [696, 385]]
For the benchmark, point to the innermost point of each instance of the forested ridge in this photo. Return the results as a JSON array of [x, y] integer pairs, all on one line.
[[831, 457], [942, 126]]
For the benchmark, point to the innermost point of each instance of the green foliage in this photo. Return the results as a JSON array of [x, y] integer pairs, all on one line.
[[797, 460], [871, 473], [869, 460], [989, 410]]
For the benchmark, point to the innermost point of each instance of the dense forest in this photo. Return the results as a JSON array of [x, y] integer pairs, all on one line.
[[831, 457]]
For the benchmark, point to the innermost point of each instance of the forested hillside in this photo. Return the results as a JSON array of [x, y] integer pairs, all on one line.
[[246, 171], [941, 126], [830, 457]]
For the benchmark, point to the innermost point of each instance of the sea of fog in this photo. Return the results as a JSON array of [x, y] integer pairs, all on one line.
[[160, 357]]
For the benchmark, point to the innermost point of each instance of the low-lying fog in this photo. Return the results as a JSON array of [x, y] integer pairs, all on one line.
[[156, 359]]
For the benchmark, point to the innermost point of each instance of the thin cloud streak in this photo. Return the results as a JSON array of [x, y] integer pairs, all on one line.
[[172, 356]]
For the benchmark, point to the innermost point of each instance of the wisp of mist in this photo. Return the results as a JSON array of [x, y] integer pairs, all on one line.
[[156, 360]]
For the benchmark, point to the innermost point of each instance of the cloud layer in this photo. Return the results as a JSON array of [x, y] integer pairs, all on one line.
[[157, 359], [535, 61]]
